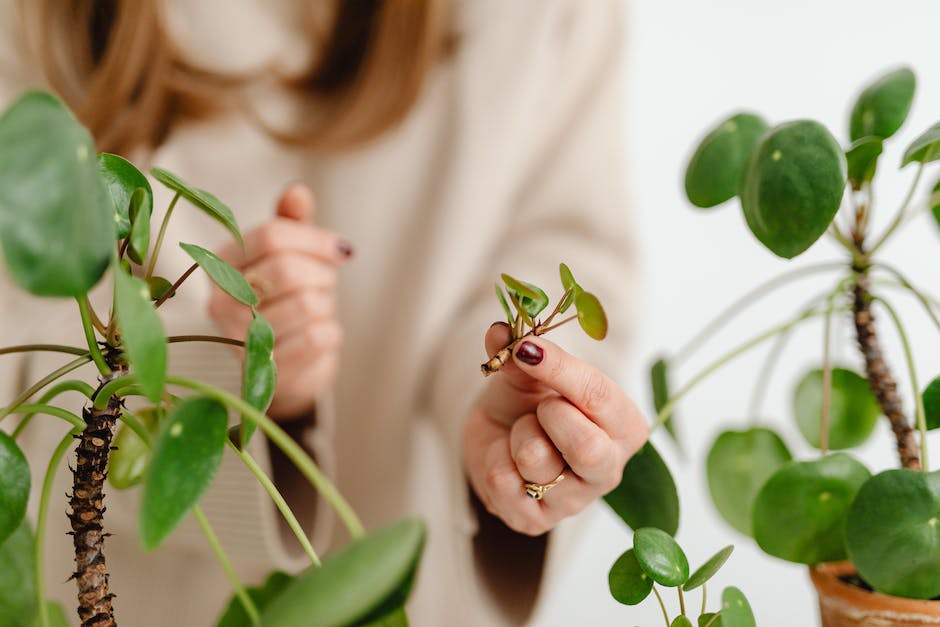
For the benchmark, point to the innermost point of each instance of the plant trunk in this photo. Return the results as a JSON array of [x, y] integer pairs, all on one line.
[[87, 502], [879, 375]]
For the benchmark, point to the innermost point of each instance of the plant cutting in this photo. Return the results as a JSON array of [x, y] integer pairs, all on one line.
[[872, 541], [68, 221]]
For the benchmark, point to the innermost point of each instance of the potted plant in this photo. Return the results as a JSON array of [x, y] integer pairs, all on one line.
[[872, 542], [69, 220]]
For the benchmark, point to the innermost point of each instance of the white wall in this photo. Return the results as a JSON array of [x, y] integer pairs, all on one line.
[[691, 63]]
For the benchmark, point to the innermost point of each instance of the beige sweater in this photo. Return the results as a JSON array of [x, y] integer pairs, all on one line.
[[510, 162]]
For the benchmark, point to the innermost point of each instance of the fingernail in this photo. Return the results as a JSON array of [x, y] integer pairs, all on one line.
[[344, 249], [530, 353]]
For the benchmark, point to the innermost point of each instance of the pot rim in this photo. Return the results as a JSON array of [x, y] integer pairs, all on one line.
[[826, 579]]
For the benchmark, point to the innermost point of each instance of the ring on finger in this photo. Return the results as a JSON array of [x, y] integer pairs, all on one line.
[[537, 490]]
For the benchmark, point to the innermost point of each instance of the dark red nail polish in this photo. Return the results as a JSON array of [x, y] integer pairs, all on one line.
[[530, 353], [344, 249]]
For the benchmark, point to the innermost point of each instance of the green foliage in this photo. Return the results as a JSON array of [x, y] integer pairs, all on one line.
[[925, 148], [735, 610], [530, 297], [222, 274], [18, 577], [186, 455], [862, 160], [800, 513], [681, 621], [201, 199], [893, 533], [714, 172], [628, 582], [56, 221], [14, 486], [259, 372], [502, 301], [235, 615], [139, 213], [709, 619], [159, 286], [591, 315], [660, 556], [659, 385], [122, 179], [130, 456], [931, 398], [853, 408], [793, 186], [646, 495], [142, 332], [57, 615], [707, 570], [882, 107]]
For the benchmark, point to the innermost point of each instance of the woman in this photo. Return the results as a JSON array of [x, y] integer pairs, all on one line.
[[447, 142]]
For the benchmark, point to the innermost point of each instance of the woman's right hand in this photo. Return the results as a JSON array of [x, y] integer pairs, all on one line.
[[293, 267]]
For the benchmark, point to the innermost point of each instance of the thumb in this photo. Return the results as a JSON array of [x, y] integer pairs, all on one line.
[[296, 203]]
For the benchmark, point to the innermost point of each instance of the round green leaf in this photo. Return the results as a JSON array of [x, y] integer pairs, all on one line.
[[707, 570], [140, 225], [714, 171], [14, 485], [931, 397], [709, 619], [681, 621], [532, 298], [129, 456], [571, 287], [660, 556], [259, 372], [629, 584], [18, 577], [222, 274], [853, 409], [159, 286], [353, 583], [186, 455], [56, 220], [862, 160], [893, 533], [201, 199], [142, 334], [235, 615], [646, 495], [591, 315], [925, 148], [738, 464], [799, 514], [121, 179], [735, 610], [793, 186], [659, 382], [882, 107]]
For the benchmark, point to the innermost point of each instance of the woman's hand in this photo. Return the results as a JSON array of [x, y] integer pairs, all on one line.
[[293, 268], [547, 412]]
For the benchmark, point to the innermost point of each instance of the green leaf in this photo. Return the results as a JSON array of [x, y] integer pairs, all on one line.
[[925, 148], [882, 107], [14, 485], [935, 206], [158, 287], [140, 226], [646, 496], [893, 533], [56, 220], [58, 617], [18, 577], [502, 301], [531, 298], [799, 514], [122, 179], [735, 610], [591, 315], [707, 570], [853, 409], [681, 621], [142, 332], [715, 169], [395, 618], [793, 186], [862, 160], [628, 582], [571, 287], [659, 382], [660, 556], [259, 374], [738, 464], [353, 583], [931, 397], [222, 274], [235, 616], [186, 456], [129, 456], [709, 619], [201, 199]]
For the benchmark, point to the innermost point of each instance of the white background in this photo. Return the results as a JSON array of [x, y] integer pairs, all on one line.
[[691, 63]]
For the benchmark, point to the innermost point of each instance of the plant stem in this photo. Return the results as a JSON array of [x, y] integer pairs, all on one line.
[[112, 388], [924, 300], [711, 621], [557, 308], [136, 425], [84, 307], [226, 564], [176, 339], [49, 348], [827, 377], [899, 216], [681, 600], [41, 519], [73, 385], [160, 236], [918, 399], [39, 385], [662, 605], [704, 597], [744, 301], [542, 329], [176, 285], [78, 425], [279, 501], [287, 444]]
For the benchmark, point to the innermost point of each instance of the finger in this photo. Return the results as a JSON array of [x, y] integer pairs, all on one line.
[[505, 495], [498, 337], [585, 447], [231, 316], [536, 458], [287, 235], [297, 309], [297, 395], [307, 342], [590, 390], [296, 203], [278, 276]]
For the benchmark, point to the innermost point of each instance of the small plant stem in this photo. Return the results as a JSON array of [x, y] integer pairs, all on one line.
[[918, 399], [557, 308], [704, 597], [840, 237], [85, 309], [112, 388], [703, 374], [279, 501], [48, 348], [78, 425], [39, 385], [136, 425], [924, 300], [41, 519], [160, 236], [286, 443], [176, 285], [65, 386], [746, 300], [95, 320], [542, 329], [827, 377], [226, 564], [681, 600], [662, 605], [899, 216], [178, 339]]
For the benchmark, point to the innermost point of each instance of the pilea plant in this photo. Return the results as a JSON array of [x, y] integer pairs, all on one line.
[[67, 221], [796, 184]]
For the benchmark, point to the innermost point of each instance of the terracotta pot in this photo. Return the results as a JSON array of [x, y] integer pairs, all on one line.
[[844, 605]]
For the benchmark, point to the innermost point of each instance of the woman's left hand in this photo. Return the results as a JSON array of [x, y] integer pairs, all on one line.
[[546, 412]]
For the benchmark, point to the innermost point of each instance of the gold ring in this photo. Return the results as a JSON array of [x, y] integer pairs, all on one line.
[[537, 490]]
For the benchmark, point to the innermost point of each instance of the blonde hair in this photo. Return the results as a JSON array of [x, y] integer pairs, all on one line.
[[113, 64]]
